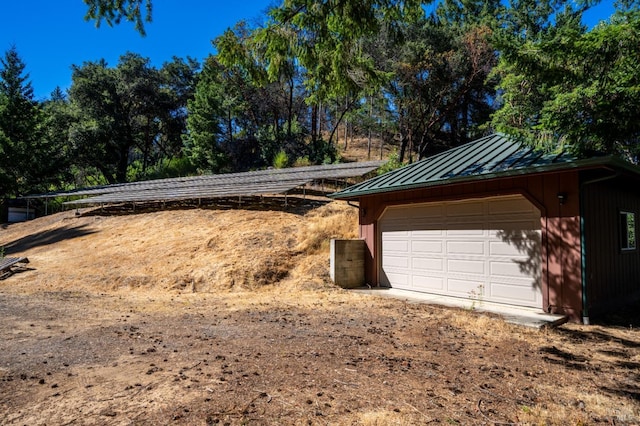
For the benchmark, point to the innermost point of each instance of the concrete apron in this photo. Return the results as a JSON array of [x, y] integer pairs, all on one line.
[[528, 317]]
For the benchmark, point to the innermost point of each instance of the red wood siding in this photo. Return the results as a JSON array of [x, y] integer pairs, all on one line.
[[613, 275], [560, 224]]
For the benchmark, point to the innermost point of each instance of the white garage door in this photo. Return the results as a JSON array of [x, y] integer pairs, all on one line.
[[485, 249]]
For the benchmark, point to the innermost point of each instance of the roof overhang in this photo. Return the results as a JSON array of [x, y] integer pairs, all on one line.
[[608, 162]]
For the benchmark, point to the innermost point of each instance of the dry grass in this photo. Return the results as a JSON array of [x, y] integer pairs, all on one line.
[[197, 250], [357, 150], [386, 418]]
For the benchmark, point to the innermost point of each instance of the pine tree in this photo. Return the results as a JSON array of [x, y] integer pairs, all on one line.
[[19, 125]]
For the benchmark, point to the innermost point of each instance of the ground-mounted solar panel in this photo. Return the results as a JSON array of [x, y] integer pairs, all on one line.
[[261, 182], [187, 193]]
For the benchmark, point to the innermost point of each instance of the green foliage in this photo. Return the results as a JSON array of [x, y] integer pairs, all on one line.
[[30, 158], [205, 122], [281, 160], [85, 176], [323, 152], [131, 111], [427, 80], [570, 88], [302, 162], [325, 38], [113, 11], [165, 168], [442, 88], [392, 163]]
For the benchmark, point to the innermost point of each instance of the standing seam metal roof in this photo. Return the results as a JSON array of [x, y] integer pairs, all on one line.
[[491, 156]]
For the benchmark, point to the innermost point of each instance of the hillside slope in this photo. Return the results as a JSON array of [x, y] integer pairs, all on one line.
[[195, 250]]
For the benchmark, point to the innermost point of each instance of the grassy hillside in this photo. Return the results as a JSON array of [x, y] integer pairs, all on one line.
[[196, 250]]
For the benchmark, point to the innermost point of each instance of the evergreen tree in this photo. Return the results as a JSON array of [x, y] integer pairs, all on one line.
[[574, 88], [19, 127], [204, 121], [56, 156]]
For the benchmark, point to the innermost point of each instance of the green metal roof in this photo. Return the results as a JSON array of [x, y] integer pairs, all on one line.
[[490, 157]]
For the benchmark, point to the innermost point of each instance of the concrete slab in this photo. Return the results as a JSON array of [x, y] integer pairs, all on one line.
[[528, 317]]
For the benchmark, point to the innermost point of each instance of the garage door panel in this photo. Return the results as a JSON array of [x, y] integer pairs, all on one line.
[[428, 282], [511, 269], [466, 266], [396, 262], [463, 248], [427, 264], [396, 246], [513, 249], [465, 229], [398, 279], [427, 233], [511, 293], [464, 287], [428, 246]]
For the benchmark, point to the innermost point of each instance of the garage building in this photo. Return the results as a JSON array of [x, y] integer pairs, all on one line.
[[501, 222]]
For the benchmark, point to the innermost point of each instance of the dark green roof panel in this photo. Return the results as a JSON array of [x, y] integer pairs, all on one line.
[[491, 156]]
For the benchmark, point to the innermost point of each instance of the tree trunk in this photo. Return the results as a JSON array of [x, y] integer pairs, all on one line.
[[320, 115], [314, 123], [351, 133], [346, 126], [335, 128], [229, 126], [403, 146], [147, 147], [123, 163], [290, 109], [369, 138]]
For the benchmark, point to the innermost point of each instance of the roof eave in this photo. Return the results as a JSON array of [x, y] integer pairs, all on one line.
[[574, 165]]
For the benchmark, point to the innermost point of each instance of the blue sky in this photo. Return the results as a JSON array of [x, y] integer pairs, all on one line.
[[51, 35]]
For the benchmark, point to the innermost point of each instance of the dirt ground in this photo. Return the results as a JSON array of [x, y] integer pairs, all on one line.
[[227, 316]]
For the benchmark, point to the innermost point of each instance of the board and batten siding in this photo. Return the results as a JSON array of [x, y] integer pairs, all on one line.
[[613, 274], [560, 227]]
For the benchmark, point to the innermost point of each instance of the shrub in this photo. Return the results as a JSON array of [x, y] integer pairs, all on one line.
[[391, 164], [281, 160]]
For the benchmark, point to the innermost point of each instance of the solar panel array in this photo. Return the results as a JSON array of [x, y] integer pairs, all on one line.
[[262, 182]]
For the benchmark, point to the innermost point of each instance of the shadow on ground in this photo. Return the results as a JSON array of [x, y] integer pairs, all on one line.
[[610, 343], [46, 238]]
